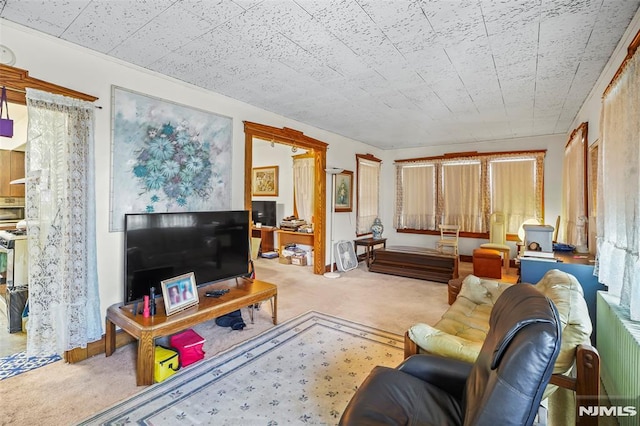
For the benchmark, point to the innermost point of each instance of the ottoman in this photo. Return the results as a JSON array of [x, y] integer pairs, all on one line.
[[487, 263]]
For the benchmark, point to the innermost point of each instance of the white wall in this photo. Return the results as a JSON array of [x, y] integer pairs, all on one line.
[[68, 65], [278, 155], [18, 113]]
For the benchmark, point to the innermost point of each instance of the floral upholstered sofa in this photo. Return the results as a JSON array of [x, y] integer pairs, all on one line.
[[462, 329]]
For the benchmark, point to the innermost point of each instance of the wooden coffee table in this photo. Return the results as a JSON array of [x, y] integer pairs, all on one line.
[[243, 292]]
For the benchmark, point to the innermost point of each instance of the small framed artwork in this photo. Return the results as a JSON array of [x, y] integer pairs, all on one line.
[[344, 191], [265, 181], [179, 293]]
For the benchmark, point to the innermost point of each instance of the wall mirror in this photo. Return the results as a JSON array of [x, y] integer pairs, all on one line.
[[307, 150]]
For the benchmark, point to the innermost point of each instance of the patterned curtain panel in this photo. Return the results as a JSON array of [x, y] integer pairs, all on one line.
[[64, 305], [618, 220], [303, 186], [573, 202], [368, 194]]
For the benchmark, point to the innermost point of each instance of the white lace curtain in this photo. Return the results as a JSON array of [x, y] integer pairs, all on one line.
[[64, 305], [618, 220], [304, 186]]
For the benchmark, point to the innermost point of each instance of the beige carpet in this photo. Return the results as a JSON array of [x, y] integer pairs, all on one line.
[[64, 394]]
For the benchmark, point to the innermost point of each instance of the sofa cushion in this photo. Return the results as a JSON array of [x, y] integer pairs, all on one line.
[[463, 327], [566, 293], [445, 344], [481, 291]]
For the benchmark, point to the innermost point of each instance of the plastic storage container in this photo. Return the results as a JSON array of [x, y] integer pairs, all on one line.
[[189, 345]]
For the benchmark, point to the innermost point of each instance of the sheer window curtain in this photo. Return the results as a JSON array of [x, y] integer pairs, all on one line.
[[64, 305], [618, 219], [514, 191], [573, 201], [304, 186], [462, 196], [368, 195], [416, 196]]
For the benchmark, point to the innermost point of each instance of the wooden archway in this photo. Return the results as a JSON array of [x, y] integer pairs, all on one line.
[[296, 138]]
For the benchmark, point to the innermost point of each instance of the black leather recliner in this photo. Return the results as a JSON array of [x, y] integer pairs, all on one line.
[[503, 387]]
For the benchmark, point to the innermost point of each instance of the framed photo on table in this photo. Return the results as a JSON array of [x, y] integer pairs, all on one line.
[[179, 293], [344, 191], [264, 181]]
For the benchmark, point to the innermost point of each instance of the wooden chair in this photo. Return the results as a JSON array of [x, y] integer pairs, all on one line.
[[449, 238], [498, 238]]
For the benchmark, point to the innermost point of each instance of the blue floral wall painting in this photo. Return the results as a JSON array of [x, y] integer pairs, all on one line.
[[167, 157]]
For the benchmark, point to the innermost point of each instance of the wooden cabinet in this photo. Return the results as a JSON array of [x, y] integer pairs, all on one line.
[[266, 235], [11, 168]]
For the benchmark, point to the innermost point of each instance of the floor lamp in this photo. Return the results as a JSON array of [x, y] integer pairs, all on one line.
[[333, 172]]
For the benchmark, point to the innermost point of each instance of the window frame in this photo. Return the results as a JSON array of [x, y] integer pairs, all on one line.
[[485, 159]]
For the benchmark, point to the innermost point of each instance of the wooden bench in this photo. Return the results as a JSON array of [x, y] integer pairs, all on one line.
[[415, 262]]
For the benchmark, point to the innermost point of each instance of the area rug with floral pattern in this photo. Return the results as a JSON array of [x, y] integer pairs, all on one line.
[[304, 370], [15, 364]]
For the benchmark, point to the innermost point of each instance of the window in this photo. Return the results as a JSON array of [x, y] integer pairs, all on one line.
[[574, 182], [464, 190], [368, 192], [462, 195], [509, 195], [416, 194], [618, 219]]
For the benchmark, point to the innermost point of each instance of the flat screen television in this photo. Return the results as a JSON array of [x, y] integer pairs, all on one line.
[[264, 212], [214, 245]]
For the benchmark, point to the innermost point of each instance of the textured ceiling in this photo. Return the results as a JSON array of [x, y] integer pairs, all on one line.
[[388, 73]]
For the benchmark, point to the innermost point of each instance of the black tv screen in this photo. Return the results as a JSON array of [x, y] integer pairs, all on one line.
[[214, 245], [264, 212]]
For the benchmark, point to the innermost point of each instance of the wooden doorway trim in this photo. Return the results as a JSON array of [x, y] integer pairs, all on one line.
[[17, 80], [295, 138]]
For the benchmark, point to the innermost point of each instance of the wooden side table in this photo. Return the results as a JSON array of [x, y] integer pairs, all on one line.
[[369, 245]]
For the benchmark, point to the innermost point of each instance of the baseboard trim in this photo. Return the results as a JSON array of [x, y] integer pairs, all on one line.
[[96, 348]]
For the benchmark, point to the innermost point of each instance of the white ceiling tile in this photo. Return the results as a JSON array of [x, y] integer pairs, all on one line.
[[214, 11], [390, 73], [172, 29], [51, 17], [103, 25]]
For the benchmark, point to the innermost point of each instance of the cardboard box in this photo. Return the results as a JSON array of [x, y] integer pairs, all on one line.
[[285, 259], [300, 260]]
